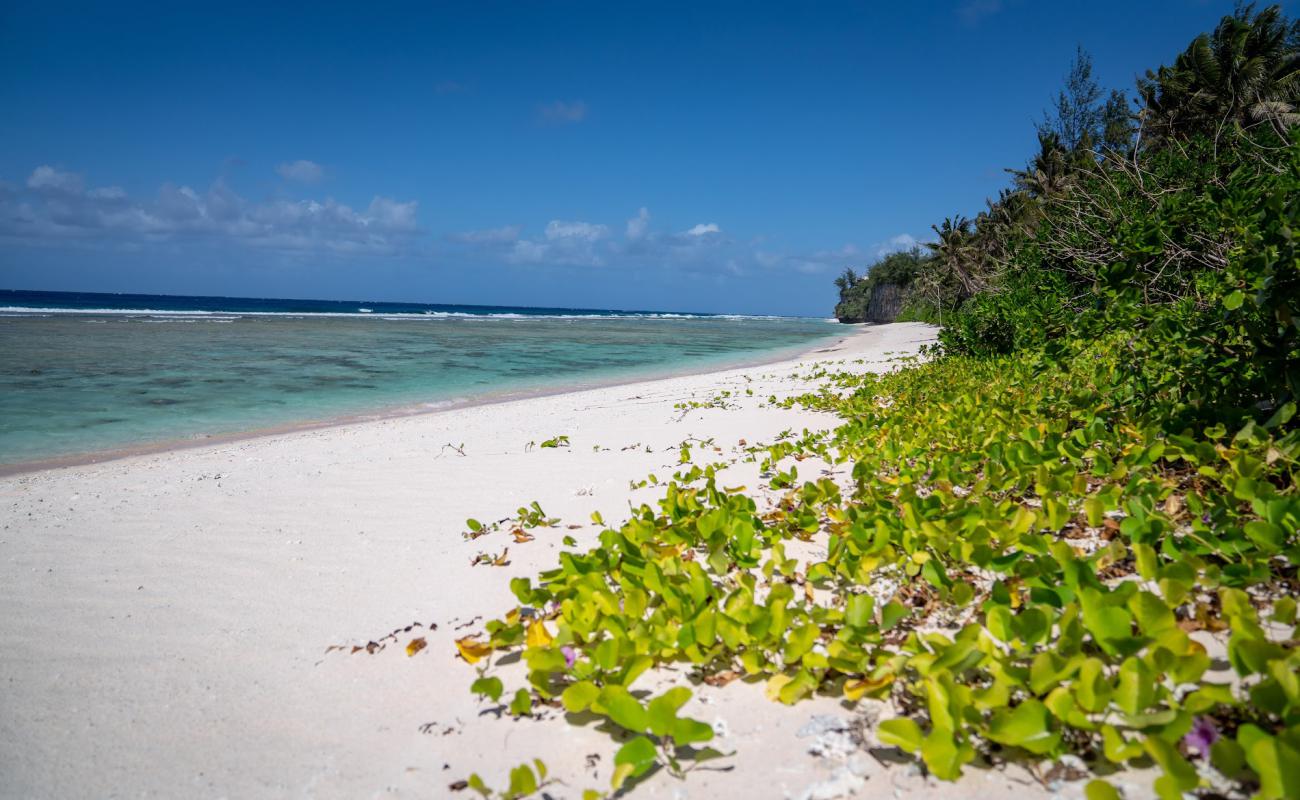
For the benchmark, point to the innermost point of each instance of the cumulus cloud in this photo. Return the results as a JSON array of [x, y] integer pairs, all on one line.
[[702, 248], [301, 171], [896, 244], [58, 207], [572, 243], [638, 225], [563, 113], [704, 229]]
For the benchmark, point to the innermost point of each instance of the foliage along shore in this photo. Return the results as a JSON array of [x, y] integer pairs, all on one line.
[[1091, 480]]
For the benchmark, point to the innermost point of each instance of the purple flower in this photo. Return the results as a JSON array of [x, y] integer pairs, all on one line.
[[569, 656], [1203, 734], [1206, 518]]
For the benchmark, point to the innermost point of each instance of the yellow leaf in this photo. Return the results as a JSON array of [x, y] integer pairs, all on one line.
[[774, 686], [415, 646], [471, 649], [855, 688], [665, 551], [538, 636]]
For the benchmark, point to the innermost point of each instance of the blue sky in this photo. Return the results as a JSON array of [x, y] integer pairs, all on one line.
[[702, 156]]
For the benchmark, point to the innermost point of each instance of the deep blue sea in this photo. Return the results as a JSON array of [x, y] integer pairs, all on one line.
[[82, 373]]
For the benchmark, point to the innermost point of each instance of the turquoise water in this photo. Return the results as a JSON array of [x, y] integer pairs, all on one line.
[[79, 382]]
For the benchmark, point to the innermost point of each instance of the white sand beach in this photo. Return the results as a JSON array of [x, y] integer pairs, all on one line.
[[166, 617]]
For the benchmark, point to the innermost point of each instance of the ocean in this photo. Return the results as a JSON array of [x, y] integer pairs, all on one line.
[[87, 373]]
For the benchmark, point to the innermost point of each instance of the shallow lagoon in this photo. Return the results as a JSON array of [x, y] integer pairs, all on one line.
[[75, 382]]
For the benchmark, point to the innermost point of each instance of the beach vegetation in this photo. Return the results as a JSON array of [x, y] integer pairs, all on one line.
[[1072, 529]]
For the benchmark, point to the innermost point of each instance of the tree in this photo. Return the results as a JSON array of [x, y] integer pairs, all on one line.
[[1049, 171], [1117, 126], [846, 281], [1244, 74], [952, 254], [1076, 118]]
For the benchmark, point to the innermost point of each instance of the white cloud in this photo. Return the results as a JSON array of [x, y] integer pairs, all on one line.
[[638, 225], [896, 244], [704, 229], [388, 214], [301, 171], [48, 179], [563, 113], [558, 229], [58, 207], [528, 252]]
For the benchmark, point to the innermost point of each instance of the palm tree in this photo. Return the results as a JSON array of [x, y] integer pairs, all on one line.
[[953, 254], [1246, 73], [1050, 170]]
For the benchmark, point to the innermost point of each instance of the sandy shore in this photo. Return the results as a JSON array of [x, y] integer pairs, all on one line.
[[166, 617]]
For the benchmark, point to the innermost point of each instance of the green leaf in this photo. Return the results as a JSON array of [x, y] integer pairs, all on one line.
[[1233, 300], [522, 705], [623, 708], [1268, 537], [1031, 625], [1228, 757], [1091, 688], [1180, 776], [902, 733], [1136, 688], [998, 621], [1116, 748], [1097, 789], [858, 611], [799, 641], [662, 711], [691, 731], [944, 755], [1027, 726], [1110, 626], [490, 688], [633, 759], [522, 781], [891, 614], [1275, 760]]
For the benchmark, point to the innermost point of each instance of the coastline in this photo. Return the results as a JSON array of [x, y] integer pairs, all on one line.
[[775, 356], [172, 617]]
